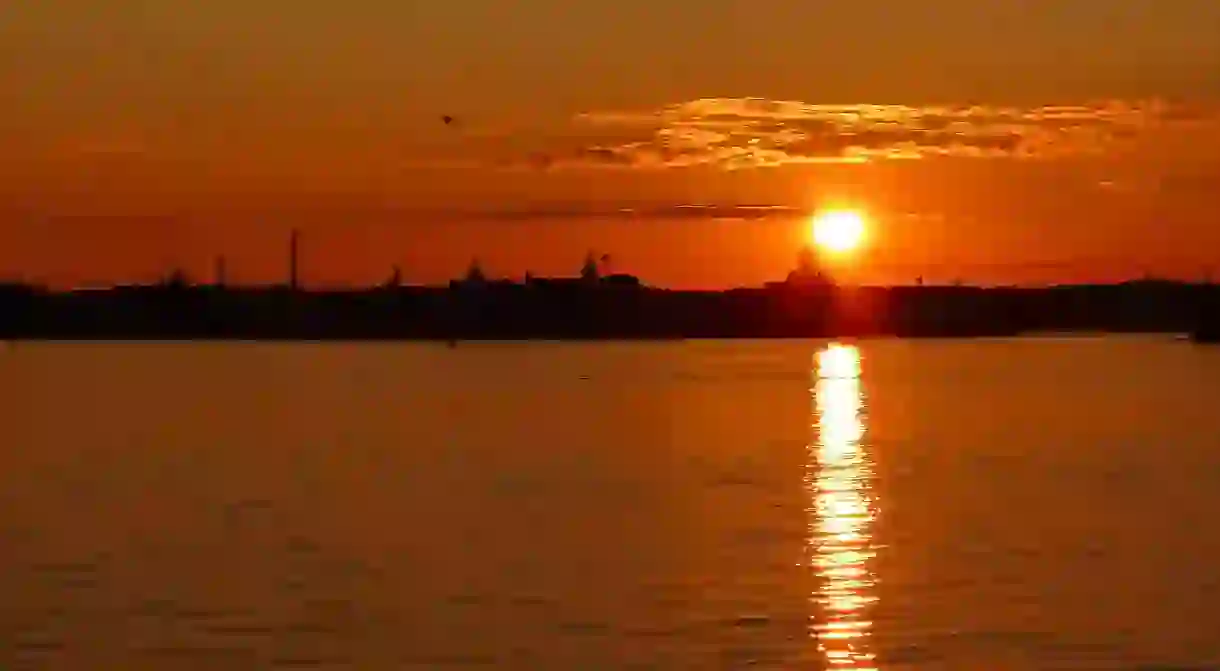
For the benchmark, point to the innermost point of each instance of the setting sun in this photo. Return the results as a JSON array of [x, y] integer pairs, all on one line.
[[838, 230]]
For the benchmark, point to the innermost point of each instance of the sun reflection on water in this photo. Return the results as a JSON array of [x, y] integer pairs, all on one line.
[[841, 513]]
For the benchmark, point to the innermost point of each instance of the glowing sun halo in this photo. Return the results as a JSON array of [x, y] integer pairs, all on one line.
[[838, 231]]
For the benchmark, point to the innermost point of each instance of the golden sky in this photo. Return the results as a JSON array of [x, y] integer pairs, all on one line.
[[1007, 141]]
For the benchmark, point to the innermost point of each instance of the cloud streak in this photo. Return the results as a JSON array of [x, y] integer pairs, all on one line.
[[737, 133]]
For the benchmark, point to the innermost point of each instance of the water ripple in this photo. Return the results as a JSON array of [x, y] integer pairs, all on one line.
[[841, 511]]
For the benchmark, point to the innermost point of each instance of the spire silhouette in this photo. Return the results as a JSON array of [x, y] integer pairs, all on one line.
[[590, 270]]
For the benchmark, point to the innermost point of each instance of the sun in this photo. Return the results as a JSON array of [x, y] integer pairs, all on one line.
[[838, 231]]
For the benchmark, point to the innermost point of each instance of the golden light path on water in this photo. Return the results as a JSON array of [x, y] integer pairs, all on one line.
[[841, 513]]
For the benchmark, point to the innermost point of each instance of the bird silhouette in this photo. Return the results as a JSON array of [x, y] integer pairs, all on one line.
[[448, 120]]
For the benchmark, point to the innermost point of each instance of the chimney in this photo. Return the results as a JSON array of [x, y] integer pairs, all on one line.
[[293, 249]]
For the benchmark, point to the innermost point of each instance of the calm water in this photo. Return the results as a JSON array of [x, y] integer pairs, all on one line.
[[1023, 504]]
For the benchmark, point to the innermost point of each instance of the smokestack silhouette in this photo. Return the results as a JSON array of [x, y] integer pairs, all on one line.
[[220, 273], [293, 249]]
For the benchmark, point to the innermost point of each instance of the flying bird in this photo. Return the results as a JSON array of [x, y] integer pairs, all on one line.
[[448, 120]]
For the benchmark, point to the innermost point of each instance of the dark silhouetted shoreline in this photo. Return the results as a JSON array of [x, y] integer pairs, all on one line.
[[613, 307]]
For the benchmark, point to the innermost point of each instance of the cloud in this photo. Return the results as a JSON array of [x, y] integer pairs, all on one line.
[[735, 133], [643, 211]]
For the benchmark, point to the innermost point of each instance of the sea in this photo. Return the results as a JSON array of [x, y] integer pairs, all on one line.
[[1030, 503]]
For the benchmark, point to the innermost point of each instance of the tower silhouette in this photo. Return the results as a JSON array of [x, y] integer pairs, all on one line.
[[293, 251]]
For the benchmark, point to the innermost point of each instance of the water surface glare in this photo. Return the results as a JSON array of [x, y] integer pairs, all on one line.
[[1025, 504], [842, 511]]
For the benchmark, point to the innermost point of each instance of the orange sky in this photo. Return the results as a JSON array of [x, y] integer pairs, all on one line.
[[152, 134]]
